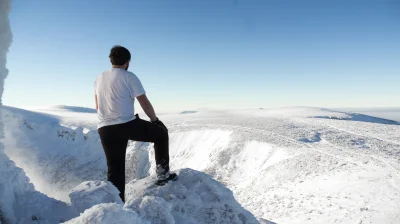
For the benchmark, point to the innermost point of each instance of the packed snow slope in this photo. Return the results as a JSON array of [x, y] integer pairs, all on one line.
[[291, 165]]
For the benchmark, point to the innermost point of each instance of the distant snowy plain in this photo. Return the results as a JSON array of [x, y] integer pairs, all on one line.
[[289, 165]]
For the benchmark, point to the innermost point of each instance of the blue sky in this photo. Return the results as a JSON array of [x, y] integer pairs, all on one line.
[[209, 54]]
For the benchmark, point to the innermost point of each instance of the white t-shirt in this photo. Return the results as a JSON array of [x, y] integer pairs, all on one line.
[[116, 90]]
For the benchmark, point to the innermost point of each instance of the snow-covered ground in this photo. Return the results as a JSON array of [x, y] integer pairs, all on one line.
[[290, 165]]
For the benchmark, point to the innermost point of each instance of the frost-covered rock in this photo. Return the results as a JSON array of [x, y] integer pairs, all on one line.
[[90, 193], [108, 213], [194, 198]]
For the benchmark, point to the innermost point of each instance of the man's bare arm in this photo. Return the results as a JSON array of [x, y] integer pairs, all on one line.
[[147, 107], [97, 104]]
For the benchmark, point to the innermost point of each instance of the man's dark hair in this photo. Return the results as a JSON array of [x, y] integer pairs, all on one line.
[[119, 55]]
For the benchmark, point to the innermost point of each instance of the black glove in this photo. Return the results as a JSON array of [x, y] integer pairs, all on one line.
[[160, 124]]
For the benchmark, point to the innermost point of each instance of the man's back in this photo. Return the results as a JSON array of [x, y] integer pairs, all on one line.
[[116, 90], [115, 93]]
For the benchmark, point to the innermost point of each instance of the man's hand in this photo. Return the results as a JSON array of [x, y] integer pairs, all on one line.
[[148, 109], [160, 124]]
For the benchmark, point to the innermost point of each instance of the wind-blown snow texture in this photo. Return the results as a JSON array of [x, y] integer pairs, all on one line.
[[292, 165]]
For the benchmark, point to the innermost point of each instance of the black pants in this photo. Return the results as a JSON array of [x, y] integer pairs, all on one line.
[[114, 139]]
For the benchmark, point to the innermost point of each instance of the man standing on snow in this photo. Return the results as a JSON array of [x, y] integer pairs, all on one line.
[[115, 93]]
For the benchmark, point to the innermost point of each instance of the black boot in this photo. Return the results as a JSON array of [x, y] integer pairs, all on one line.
[[163, 175]]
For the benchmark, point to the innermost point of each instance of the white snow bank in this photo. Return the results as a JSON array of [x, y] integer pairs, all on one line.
[[90, 193], [194, 198]]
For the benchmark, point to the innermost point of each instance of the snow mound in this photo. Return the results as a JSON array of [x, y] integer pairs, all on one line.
[[90, 193], [194, 198], [107, 213]]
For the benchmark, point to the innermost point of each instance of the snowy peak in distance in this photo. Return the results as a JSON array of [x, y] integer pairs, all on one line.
[[315, 112], [188, 112]]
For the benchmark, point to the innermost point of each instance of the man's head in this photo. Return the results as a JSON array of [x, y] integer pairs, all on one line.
[[120, 57]]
